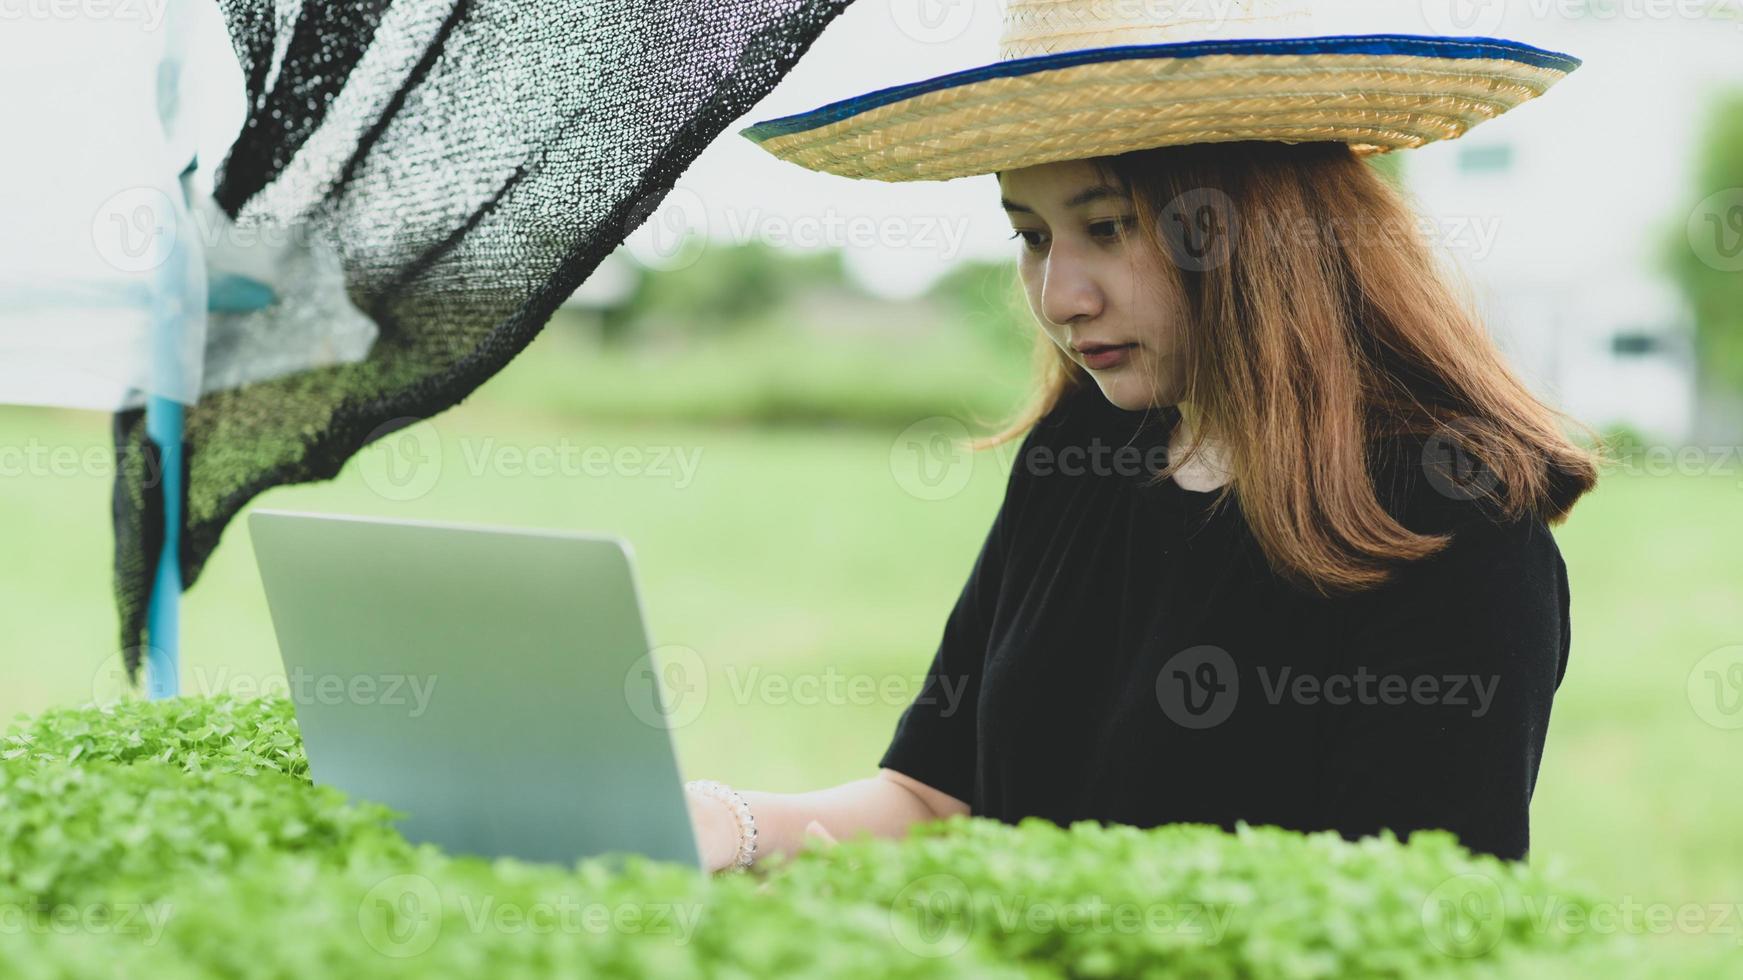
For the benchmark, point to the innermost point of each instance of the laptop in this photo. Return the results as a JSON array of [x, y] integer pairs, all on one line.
[[494, 685]]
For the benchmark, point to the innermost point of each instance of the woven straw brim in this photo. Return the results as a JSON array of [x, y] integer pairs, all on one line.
[[1376, 103]]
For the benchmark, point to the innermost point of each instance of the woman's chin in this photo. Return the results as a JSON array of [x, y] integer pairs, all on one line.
[[1130, 394]]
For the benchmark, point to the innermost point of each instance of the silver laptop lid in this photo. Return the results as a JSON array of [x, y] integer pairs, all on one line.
[[495, 685]]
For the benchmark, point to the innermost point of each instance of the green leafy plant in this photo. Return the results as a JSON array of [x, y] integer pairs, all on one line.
[[183, 838]]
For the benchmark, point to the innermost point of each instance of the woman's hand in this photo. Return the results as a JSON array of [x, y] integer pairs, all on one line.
[[884, 805], [716, 830]]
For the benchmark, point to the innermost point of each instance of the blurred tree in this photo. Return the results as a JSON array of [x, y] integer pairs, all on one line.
[[1704, 247], [729, 285], [726, 286], [986, 298]]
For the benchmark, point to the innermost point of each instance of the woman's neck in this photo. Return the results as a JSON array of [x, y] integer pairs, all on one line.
[[1208, 469], [1188, 414]]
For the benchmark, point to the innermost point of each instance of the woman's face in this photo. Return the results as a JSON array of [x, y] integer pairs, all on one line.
[[1091, 280]]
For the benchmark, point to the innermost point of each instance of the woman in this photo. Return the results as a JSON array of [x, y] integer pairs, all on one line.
[[1274, 548]]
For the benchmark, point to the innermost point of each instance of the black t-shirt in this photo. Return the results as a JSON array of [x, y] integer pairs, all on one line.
[[1122, 653]]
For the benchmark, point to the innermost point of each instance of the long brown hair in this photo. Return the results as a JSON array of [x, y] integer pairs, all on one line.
[[1320, 318]]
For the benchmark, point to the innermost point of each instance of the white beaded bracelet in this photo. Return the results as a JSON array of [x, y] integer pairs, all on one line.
[[747, 824]]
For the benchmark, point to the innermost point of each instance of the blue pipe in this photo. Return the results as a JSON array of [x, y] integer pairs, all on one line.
[[164, 419], [163, 424]]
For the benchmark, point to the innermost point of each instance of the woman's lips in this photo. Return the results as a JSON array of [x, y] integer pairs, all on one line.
[[1103, 358]]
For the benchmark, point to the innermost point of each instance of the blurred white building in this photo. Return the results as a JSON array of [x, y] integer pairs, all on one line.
[[1558, 212]]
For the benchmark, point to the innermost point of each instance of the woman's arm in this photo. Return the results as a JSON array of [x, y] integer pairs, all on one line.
[[886, 804], [1476, 640]]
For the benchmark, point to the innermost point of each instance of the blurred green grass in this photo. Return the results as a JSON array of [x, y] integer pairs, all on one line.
[[798, 553]]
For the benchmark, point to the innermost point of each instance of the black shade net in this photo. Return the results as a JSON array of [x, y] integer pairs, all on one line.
[[472, 161]]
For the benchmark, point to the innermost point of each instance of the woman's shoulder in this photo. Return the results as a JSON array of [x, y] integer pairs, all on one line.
[[1431, 485], [1506, 570], [1431, 488]]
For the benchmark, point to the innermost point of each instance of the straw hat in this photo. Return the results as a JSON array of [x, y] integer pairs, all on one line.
[[1083, 78]]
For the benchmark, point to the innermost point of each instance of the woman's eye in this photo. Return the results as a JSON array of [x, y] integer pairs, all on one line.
[[1114, 227]]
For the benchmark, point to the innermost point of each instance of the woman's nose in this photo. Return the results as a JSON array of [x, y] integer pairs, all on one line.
[[1068, 292]]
